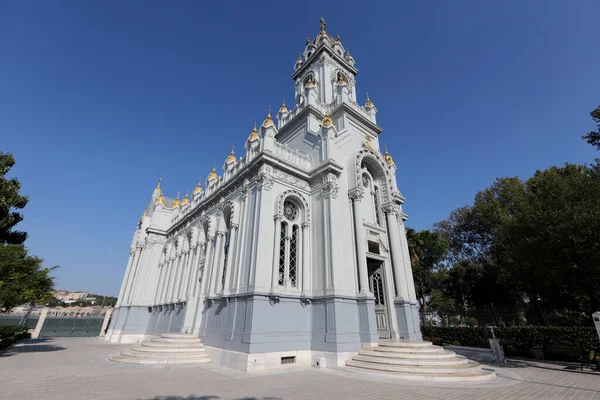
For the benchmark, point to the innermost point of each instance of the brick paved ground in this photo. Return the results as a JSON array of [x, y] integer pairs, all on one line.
[[79, 369]]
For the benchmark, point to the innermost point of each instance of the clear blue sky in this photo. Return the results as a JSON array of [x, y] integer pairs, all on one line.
[[98, 99]]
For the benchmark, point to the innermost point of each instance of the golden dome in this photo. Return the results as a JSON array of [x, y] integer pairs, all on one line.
[[160, 199], [186, 199], [368, 103], [254, 134], [213, 174], [310, 83], [176, 203], [388, 159], [283, 108], [269, 120], [368, 142], [327, 120], [198, 189], [231, 157]]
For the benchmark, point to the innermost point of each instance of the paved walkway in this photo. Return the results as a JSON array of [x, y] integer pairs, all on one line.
[[78, 369]]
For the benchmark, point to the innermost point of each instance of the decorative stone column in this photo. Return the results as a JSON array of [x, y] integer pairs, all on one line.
[[357, 195], [127, 276], [217, 264], [275, 271], [136, 263], [405, 310], [233, 228], [305, 257], [366, 300]]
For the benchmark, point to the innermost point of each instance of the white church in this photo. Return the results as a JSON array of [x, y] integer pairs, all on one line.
[[296, 253]]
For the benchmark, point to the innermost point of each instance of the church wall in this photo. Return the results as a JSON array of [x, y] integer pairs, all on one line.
[[169, 319]]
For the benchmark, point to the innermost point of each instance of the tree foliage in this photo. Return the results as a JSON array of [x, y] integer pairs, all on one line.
[[10, 201], [593, 137], [534, 241], [22, 277], [427, 250]]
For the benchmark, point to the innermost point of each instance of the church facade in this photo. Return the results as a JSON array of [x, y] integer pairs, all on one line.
[[297, 250]]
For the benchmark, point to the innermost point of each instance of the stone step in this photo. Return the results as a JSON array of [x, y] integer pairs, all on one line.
[[178, 335], [377, 358], [173, 345], [147, 361], [421, 369], [150, 349], [406, 343], [436, 355], [177, 340], [163, 356], [481, 375], [429, 349]]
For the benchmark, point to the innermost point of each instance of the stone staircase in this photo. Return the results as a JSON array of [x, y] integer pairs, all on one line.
[[419, 360], [168, 349]]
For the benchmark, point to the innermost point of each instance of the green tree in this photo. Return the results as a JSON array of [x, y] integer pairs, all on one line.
[[593, 137], [10, 201], [428, 251], [534, 240], [22, 277]]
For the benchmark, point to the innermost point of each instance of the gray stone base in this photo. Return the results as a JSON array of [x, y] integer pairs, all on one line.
[[407, 315]]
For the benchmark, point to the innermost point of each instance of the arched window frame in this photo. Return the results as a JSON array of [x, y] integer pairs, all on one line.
[[372, 186], [290, 244]]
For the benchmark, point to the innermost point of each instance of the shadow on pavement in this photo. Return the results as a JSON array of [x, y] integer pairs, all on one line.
[[31, 346]]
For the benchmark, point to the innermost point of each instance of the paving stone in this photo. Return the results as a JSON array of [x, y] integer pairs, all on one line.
[[78, 368]]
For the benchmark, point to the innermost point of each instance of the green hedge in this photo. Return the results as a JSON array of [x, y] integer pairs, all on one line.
[[12, 330], [518, 339]]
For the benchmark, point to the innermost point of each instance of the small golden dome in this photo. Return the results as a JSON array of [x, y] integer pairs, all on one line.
[[160, 199], [283, 108], [310, 83], [388, 159], [176, 203], [269, 120], [198, 189], [186, 199], [327, 121], [254, 134], [231, 157], [213, 175], [368, 103], [368, 142]]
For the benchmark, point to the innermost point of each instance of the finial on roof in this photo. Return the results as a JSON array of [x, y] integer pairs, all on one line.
[[283, 107], [213, 174], [368, 103], [186, 199], [231, 157], [388, 159], [177, 203], [323, 24], [254, 134], [269, 120], [158, 184], [198, 188]]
